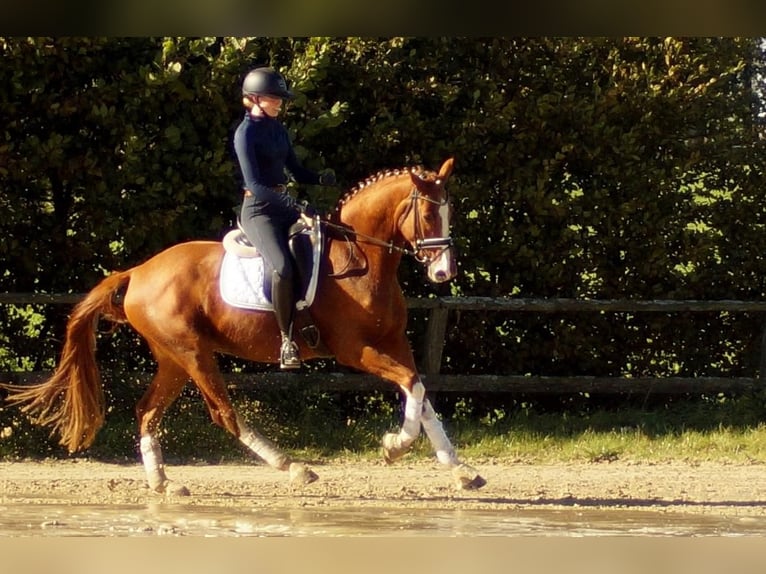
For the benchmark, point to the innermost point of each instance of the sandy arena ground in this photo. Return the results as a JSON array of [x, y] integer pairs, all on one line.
[[709, 489]]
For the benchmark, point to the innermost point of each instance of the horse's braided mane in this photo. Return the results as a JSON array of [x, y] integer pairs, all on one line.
[[381, 175]]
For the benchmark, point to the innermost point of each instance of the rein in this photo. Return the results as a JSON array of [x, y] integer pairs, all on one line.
[[390, 245]]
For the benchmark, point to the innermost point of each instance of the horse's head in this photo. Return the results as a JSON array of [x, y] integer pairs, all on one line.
[[405, 212], [425, 224]]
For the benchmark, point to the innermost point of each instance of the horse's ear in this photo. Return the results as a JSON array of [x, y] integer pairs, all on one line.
[[446, 169]]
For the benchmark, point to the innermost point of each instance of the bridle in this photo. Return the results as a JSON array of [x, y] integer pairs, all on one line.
[[422, 244], [426, 247]]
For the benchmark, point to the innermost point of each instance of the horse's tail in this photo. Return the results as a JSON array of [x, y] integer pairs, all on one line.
[[72, 402]]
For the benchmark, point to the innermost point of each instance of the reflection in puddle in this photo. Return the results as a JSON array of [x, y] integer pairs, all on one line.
[[59, 520]]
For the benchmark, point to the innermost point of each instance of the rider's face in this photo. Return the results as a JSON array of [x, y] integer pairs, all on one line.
[[270, 105]]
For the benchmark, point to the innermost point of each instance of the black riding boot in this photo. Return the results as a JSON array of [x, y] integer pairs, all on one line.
[[282, 300]]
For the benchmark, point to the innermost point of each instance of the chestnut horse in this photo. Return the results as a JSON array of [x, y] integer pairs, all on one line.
[[173, 301]]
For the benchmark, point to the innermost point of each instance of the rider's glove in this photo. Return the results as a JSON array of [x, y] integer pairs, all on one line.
[[304, 207], [327, 178]]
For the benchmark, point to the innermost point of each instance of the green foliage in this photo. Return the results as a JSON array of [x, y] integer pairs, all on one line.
[[585, 167]]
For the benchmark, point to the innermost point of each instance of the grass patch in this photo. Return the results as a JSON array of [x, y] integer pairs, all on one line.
[[721, 445]]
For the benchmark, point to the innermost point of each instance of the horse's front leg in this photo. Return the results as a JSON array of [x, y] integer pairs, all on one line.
[[465, 476], [395, 445], [419, 412], [394, 362]]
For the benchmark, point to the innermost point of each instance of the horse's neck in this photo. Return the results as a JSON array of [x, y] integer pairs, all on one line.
[[373, 216], [373, 211]]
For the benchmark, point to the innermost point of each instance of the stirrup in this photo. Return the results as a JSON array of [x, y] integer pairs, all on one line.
[[288, 355]]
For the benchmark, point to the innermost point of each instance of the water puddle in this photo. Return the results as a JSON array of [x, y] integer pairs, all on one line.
[[162, 519]]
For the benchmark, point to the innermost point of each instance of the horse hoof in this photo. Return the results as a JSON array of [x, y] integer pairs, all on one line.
[[466, 478], [474, 484], [175, 489], [300, 474], [168, 487], [391, 453]]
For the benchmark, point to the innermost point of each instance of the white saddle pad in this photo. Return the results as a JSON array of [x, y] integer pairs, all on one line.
[[242, 282]]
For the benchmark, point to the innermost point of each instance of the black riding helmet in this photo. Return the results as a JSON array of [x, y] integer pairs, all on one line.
[[265, 82]]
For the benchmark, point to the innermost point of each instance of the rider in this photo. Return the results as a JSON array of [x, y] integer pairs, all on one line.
[[263, 151]]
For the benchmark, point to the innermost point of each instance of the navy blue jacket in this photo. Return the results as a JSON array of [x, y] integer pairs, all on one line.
[[264, 151]]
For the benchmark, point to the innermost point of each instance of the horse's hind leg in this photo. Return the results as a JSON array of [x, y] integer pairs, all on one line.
[[213, 388], [163, 390], [268, 451]]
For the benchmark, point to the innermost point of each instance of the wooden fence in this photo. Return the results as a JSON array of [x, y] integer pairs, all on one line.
[[431, 354]]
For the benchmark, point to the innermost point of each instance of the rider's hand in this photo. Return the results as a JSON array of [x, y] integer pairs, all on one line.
[[309, 221], [305, 208], [288, 201], [327, 178]]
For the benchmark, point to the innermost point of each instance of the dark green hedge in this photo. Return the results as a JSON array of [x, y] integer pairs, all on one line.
[[598, 167]]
